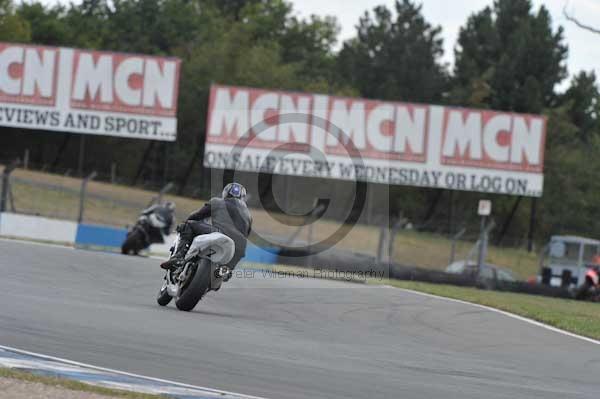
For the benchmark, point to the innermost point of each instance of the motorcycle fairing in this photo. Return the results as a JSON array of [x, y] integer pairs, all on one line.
[[223, 247], [157, 221]]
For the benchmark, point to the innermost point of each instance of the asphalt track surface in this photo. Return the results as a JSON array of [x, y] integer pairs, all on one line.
[[281, 338]]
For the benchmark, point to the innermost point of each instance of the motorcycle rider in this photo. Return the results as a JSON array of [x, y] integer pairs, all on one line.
[[228, 215], [153, 224], [167, 210], [590, 289]]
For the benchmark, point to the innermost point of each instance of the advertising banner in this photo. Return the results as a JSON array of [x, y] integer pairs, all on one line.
[[382, 142], [88, 92]]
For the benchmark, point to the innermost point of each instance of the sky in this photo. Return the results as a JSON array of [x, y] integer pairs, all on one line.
[[584, 47]]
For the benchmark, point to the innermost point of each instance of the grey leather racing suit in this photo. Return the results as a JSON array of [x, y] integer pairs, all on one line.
[[229, 216]]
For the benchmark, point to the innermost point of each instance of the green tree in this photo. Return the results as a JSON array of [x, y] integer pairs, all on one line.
[[13, 28], [573, 142], [87, 23], [514, 53], [151, 26], [474, 64], [395, 56], [309, 43], [583, 101], [233, 8], [570, 200], [46, 23]]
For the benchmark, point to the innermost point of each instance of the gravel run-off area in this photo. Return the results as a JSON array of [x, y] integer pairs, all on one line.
[[17, 389]]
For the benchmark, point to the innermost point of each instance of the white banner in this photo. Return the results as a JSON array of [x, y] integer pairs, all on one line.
[[382, 142], [88, 92]]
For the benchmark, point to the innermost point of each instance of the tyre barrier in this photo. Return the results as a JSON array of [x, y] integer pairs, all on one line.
[[346, 262]]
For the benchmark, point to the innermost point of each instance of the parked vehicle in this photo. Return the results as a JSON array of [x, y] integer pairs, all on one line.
[[204, 270], [488, 271], [153, 225], [565, 261]]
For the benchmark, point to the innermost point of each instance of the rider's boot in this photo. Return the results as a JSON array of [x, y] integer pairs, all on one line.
[[177, 259], [186, 236]]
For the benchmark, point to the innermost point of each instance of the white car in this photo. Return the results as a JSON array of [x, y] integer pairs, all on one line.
[[488, 271]]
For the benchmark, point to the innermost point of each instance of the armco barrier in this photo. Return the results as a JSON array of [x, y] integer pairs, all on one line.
[[260, 255], [110, 237], [99, 236], [89, 235], [37, 228], [254, 254]]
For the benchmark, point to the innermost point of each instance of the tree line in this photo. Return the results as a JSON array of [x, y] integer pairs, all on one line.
[[508, 57]]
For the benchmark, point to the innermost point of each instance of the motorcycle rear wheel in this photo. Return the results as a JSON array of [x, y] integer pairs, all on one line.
[[195, 290]]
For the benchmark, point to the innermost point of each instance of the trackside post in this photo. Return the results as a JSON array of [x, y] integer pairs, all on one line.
[[84, 183], [484, 210], [6, 184]]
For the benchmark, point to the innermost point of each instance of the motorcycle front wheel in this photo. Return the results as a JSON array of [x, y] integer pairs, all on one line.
[[191, 294], [133, 243]]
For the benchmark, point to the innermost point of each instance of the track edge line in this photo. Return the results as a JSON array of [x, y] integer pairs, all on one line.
[[124, 373], [503, 312]]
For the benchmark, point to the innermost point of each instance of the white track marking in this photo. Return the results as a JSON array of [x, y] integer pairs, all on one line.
[[25, 241], [512, 315], [31, 364], [123, 373]]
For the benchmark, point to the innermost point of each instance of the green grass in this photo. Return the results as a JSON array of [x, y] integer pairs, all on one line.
[[73, 385], [581, 318]]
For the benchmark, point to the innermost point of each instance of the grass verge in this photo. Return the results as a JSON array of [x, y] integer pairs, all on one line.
[[581, 318], [73, 385]]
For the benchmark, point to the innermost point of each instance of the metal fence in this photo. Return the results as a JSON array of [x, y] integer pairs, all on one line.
[[61, 196], [83, 200]]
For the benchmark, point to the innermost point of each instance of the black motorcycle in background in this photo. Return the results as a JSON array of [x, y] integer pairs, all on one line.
[[152, 226]]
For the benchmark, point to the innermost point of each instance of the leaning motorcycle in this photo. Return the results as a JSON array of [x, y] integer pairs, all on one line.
[[590, 289], [148, 230], [204, 269]]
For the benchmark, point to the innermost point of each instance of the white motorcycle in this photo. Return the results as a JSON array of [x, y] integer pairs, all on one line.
[[204, 270]]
